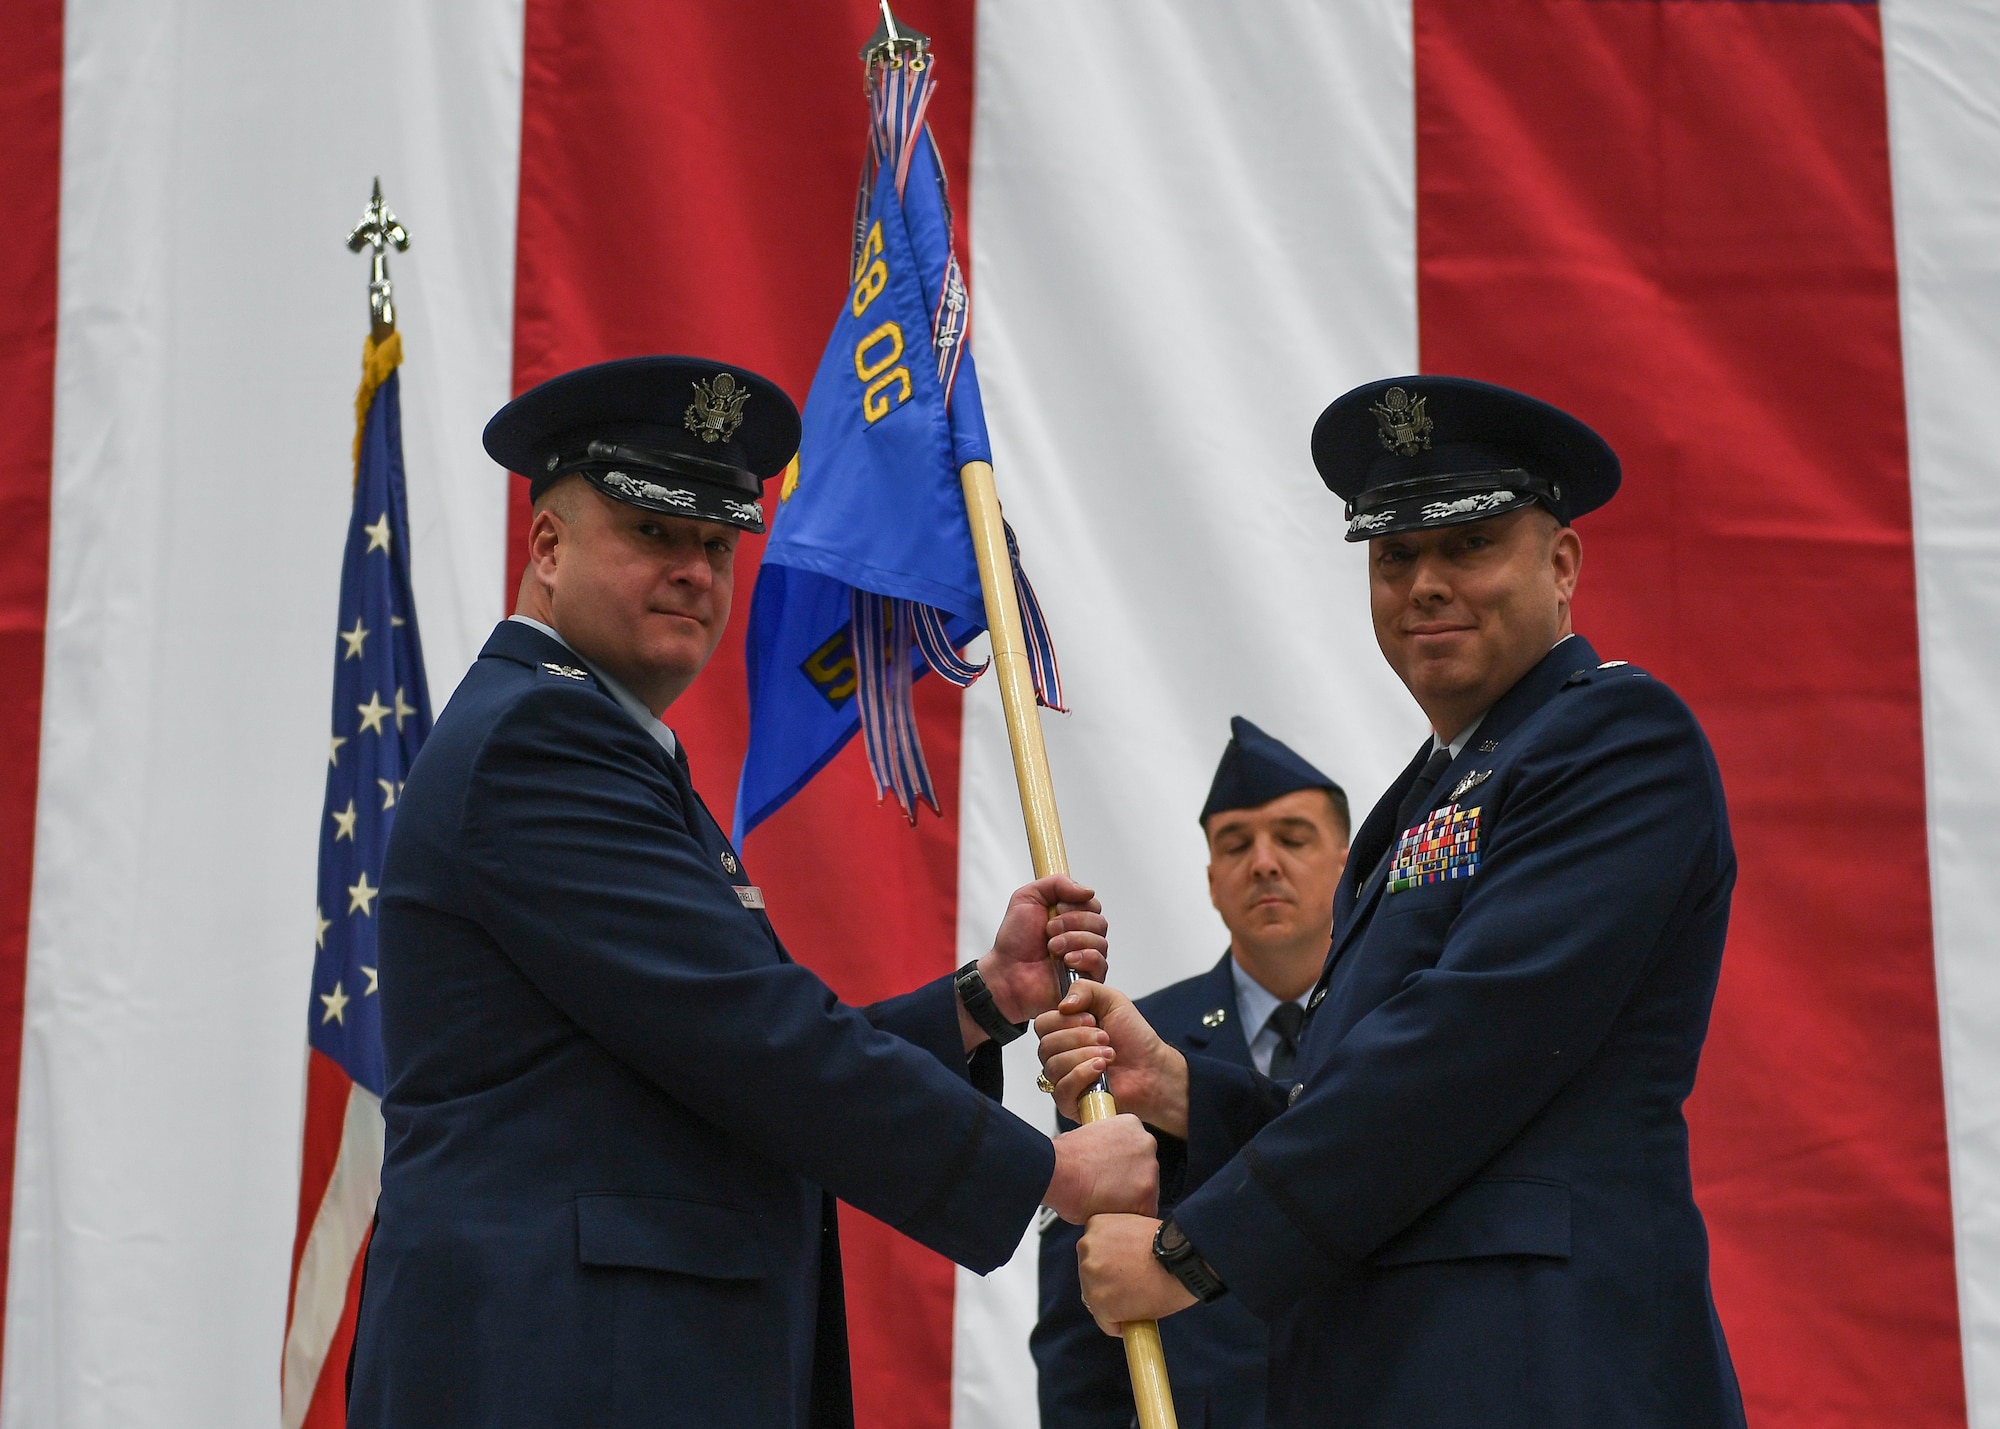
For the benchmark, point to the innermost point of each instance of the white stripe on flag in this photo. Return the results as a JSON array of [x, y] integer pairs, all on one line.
[[1183, 249], [329, 1259], [1944, 127]]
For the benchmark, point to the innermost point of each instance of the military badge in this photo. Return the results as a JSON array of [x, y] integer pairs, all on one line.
[[717, 409], [679, 498], [1443, 846], [729, 863], [1467, 505], [1215, 1018], [568, 672], [1469, 783], [1406, 429]]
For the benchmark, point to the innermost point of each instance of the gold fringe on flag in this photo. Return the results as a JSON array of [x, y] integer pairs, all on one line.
[[378, 360]]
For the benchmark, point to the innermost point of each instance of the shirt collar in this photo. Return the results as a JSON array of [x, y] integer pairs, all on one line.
[[627, 701], [1254, 1002]]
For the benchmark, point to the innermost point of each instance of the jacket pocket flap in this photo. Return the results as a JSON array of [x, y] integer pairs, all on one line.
[[668, 1233], [1494, 1217]]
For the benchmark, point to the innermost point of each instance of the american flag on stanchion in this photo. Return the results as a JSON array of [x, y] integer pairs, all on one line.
[[381, 713]]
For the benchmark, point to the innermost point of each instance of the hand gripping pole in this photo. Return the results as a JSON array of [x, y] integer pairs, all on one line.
[[1144, 1356]]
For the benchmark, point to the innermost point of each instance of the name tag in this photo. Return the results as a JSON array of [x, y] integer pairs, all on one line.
[[750, 895]]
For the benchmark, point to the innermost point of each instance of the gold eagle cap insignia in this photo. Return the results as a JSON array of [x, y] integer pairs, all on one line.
[[1406, 429], [717, 409]]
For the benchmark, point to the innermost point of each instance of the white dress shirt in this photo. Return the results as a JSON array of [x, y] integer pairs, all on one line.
[[1254, 1004]]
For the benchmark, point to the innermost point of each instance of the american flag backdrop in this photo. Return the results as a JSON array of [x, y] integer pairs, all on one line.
[[1756, 243], [381, 713]]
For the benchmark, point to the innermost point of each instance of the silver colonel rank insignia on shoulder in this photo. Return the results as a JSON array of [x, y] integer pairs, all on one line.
[[568, 672], [1406, 430], [717, 409]]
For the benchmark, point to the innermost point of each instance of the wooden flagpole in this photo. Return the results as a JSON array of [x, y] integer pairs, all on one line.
[[1144, 1356]]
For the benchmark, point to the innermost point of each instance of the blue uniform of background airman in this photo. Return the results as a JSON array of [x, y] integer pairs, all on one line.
[[1277, 831]]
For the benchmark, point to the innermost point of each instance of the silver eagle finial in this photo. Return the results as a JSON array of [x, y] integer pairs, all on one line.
[[379, 231]]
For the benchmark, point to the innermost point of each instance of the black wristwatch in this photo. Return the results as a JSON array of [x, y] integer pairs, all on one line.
[[977, 999], [1176, 1252]]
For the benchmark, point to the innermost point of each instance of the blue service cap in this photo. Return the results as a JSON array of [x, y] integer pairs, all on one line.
[[1256, 769], [684, 436], [1411, 453]]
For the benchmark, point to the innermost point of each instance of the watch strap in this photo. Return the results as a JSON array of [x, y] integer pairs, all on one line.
[[1177, 1254], [977, 999]]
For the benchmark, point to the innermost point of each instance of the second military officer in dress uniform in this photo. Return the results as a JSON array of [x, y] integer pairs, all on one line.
[[617, 1111], [1277, 841], [1475, 1208]]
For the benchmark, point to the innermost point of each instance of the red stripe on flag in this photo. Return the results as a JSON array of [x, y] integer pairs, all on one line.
[[31, 177], [327, 1091], [1675, 220], [688, 186], [328, 1409]]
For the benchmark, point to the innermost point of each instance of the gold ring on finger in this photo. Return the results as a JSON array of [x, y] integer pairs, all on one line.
[[1042, 1081]]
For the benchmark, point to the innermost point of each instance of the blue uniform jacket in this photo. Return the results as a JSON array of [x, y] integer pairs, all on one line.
[[615, 1107], [1215, 1353], [1478, 1209]]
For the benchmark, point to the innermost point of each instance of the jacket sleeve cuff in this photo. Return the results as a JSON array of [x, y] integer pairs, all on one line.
[[985, 1203], [927, 1017], [1248, 1240], [1227, 1105]]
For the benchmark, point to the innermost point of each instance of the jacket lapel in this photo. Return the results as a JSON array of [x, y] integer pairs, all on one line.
[[1230, 1039], [1530, 693]]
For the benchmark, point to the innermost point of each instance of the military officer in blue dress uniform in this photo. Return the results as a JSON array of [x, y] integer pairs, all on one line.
[[617, 1112], [1474, 1209], [1277, 831]]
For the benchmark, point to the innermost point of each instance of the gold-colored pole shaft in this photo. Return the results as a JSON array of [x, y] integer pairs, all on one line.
[[1144, 1356]]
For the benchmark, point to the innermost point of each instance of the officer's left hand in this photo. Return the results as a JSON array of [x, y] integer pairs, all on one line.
[[1018, 970], [1121, 1279]]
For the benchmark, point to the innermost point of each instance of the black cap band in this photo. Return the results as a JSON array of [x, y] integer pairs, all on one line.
[[648, 458], [1449, 499], [655, 479]]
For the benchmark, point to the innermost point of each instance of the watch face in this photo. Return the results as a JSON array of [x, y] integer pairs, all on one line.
[[1172, 1238]]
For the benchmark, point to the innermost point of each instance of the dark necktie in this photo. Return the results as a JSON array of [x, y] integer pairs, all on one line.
[[1285, 1020], [1418, 799], [1414, 803]]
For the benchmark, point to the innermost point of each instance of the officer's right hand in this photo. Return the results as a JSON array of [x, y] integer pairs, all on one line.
[[1108, 1167], [1097, 1032]]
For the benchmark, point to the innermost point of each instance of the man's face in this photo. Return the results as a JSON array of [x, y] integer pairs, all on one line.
[[1272, 870], [645, 596], [1462, 612]]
